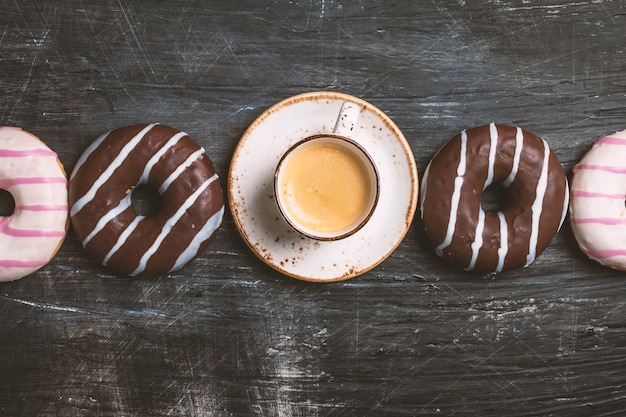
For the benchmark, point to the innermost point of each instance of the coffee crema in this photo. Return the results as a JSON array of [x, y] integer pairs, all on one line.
[[327, 185]]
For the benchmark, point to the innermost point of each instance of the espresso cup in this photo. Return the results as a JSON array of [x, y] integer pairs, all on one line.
[[326, 186]]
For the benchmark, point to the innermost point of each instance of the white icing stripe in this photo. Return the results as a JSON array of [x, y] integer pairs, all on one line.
[[565, 204], [155, 158], [504, 242], [180, 169], [122, 239], [113, 213], [87, 153], [119, 159], [493, 139], [519, 144], [169, 224], [478, 239], [456, 195], [537, 206], [207, 230]]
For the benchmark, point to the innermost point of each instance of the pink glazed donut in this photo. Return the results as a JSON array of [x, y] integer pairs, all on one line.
[[597, 210], [34, 177]]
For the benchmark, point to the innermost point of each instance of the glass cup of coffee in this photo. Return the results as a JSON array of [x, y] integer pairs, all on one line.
[[326, 186]]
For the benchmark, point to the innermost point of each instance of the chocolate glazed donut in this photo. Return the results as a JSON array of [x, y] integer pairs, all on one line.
[[534, 206], [104, 219]]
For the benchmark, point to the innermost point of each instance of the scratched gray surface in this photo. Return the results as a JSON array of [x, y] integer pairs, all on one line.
[[229, 336]]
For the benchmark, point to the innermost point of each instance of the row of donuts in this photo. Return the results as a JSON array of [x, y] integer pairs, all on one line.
[[98, 199]]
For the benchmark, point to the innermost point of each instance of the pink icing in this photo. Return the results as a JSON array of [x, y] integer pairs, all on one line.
[[12, 153], [595, 231], [606, 168], [611, 140], [594, 194], [608, 253], [14, 263], [10, 231], [12, 182], [599, 220], [42, 207], [24, 246]]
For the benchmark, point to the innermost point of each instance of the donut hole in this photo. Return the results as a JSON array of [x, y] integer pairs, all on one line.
[[146, 200], [7, 203], [494, 199]]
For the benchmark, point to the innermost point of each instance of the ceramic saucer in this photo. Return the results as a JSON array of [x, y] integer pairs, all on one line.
[[251, 197]]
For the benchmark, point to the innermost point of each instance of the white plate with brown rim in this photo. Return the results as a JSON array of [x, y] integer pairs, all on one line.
[[251, 189]]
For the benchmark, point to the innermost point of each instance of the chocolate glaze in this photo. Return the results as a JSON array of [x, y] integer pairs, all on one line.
[[150, 233], [438, 186]]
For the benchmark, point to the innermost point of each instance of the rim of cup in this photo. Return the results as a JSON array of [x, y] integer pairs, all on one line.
[[364, 156]]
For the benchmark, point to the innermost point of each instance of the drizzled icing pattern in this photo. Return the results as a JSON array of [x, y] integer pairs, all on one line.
[[597, 211], [102, 212], [34, 177], [454, 181]]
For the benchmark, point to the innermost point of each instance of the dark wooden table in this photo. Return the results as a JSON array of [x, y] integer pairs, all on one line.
[[228, 335]]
